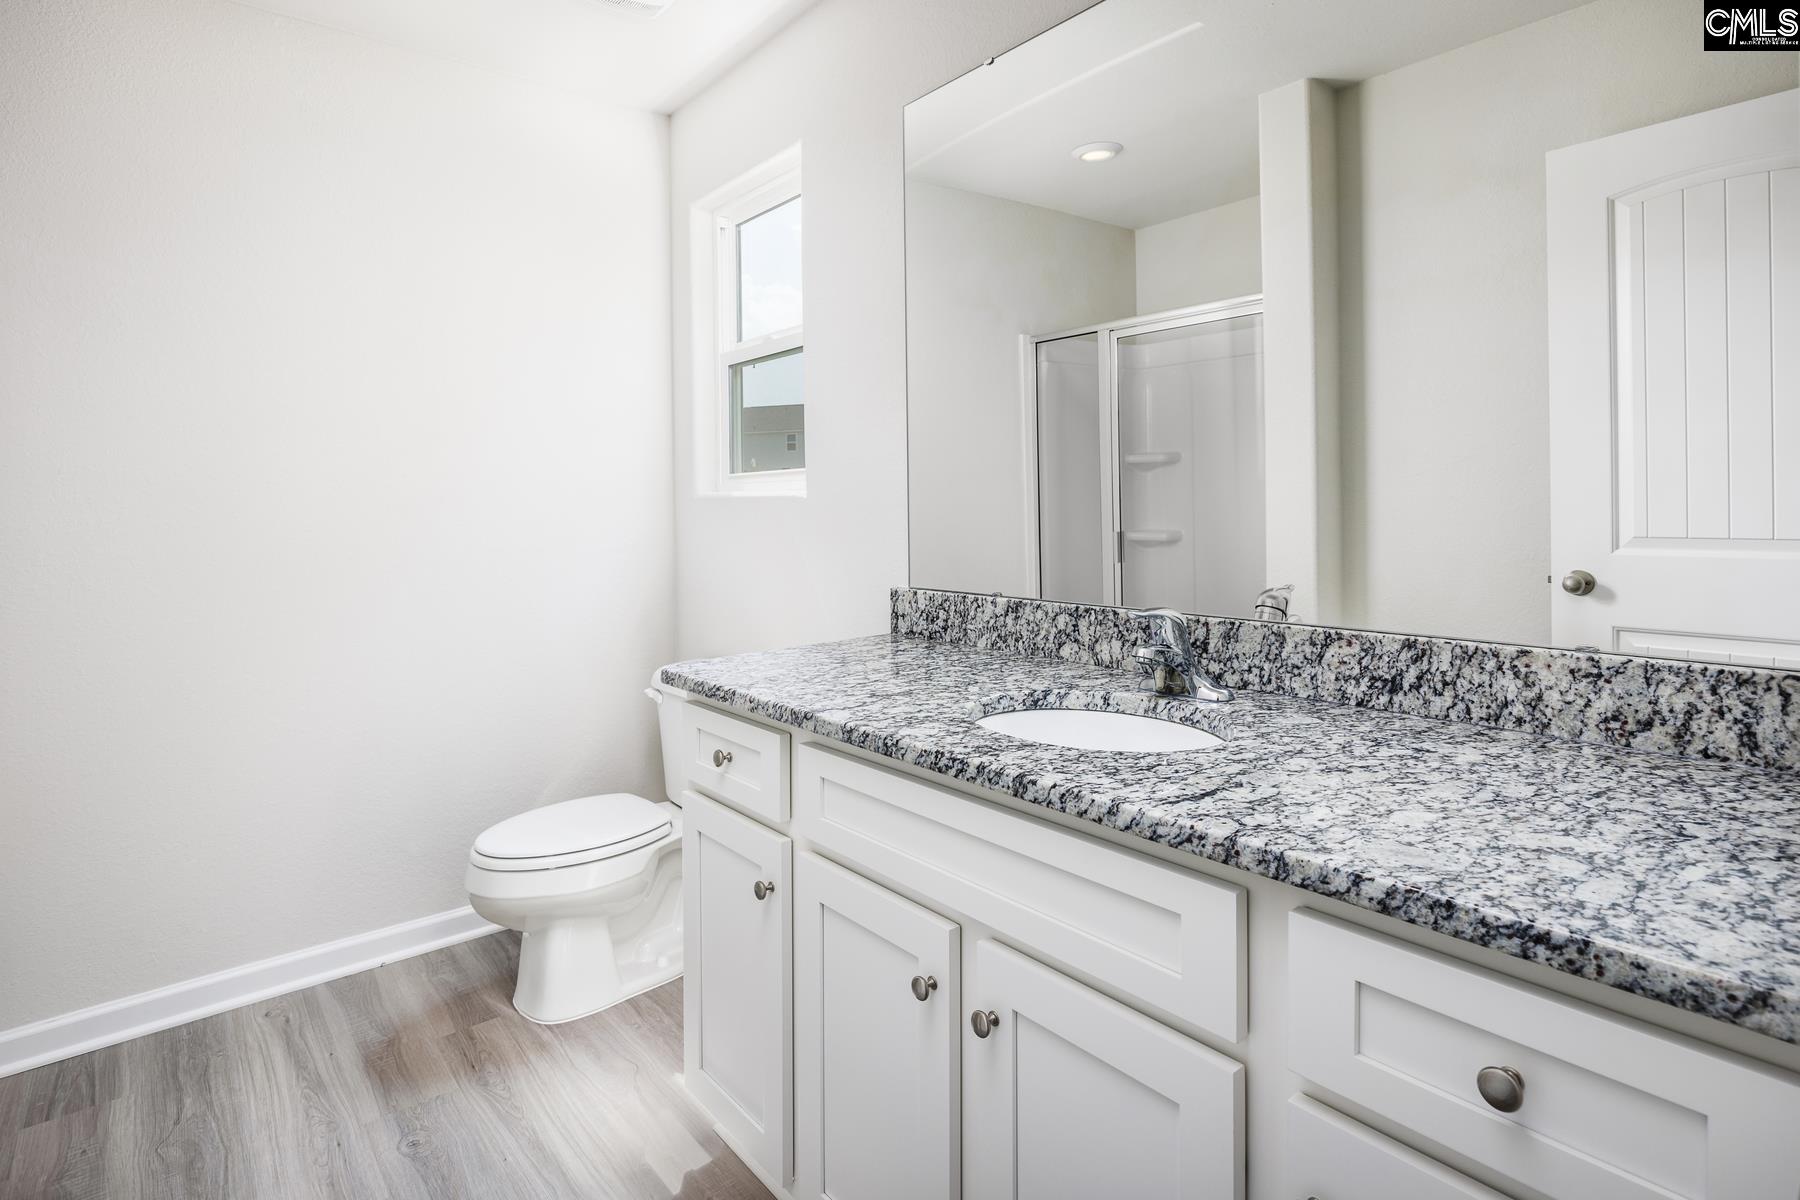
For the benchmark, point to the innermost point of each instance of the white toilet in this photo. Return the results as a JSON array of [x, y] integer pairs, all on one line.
[[595, 886]]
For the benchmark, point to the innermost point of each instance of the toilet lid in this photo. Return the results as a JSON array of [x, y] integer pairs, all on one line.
[[590, 824]]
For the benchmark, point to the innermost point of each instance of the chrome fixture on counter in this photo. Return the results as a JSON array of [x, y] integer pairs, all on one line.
[[1171, 664], [1272, 603]]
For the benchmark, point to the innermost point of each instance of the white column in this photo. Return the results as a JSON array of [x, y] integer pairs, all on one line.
[[1297, 143]]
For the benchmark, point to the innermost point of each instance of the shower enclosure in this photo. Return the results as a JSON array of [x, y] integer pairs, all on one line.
[[1147, 437]]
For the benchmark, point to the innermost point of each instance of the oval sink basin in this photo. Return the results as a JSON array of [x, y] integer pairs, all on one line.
[[1081, 730]]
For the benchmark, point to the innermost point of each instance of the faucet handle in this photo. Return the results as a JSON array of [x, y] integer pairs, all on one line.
[[1176, 623], [1168, 613]]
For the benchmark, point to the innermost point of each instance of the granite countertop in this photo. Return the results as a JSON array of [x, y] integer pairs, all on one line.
[[1670, 878]]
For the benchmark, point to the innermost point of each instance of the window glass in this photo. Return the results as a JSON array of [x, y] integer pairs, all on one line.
[[769, 272], [768, 418]]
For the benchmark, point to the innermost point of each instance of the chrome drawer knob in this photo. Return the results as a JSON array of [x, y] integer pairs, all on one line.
[[1578, 583], [721, 757], [764, 888], [983, 1021], [923, 986], [1502, 1087]]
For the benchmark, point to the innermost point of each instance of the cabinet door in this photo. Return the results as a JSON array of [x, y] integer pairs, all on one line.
[[876, 1079], [1331, 1157], [738, 999], [1072, 1095]]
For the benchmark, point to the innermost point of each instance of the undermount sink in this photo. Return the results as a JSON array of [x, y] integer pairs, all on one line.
[[1080, 729]]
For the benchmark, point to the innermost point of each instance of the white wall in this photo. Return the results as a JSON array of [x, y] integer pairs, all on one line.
[[1210, 255], [334, 443], [1445, 370], [763, 572], [981, 273], [1296, 153]]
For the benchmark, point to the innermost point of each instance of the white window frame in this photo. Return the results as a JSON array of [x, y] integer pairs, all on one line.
[[716, 348]]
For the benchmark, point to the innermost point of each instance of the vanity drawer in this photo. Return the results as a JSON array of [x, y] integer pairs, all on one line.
[[1609, 1108], [1171, 938], [730, 759], [1330, 1157]]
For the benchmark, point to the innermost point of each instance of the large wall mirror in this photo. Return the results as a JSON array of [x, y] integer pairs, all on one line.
[[1459, 318]]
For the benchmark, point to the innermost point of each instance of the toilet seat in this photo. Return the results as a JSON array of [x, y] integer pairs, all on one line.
[[571, 833]]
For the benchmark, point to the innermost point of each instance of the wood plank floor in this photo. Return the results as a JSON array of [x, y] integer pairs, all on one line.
[[416, 1079]]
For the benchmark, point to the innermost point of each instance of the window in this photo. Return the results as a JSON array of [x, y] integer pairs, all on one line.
[[754, 414]]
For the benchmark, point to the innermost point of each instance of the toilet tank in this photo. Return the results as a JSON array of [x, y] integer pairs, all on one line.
[[668, 709]]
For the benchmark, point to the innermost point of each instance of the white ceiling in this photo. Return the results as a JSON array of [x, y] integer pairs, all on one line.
[[593, 47], [1174, 81]]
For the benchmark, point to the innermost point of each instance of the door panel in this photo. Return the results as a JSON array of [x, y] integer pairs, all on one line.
[[1148, 485], [1191, 498], [1072, 1095], [1674, 271], [1072, 481], [737, 992], [877, 1104], [1784, 349], [1330, 1155]]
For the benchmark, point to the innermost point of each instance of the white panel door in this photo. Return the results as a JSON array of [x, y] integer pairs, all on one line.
[[1190, 435], [876, 1013], [738, 998], [1069, 1095], [1674, 272], [1328, 1156]]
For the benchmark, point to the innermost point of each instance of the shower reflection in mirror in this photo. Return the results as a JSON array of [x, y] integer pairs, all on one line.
[[1155, 426]]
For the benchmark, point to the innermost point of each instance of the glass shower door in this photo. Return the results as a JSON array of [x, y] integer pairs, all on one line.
[[1191, 514], [1074, 494]]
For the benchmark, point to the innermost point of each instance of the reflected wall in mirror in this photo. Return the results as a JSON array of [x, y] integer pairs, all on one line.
[[1463, 319]]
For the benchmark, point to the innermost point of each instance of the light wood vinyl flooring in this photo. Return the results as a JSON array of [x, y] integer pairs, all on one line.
[[416, 1079]]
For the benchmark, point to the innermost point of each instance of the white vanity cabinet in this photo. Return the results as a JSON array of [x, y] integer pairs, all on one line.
[[1171, 939], [738, 1022], [1069, 1093], [1060, 1092], [877, 1002], [735, 760], [1562, 1097], [908, 991], [1330, 1157]]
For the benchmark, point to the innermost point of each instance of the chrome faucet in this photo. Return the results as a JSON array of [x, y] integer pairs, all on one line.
[[1171, 663]]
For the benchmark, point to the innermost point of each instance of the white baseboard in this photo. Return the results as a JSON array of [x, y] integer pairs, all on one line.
[[26, 1046]]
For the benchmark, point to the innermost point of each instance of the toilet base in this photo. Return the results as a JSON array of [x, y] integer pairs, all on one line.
[[572, 968], [541, 1008]]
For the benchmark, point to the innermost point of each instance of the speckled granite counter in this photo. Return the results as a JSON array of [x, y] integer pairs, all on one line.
[[1674, 879]]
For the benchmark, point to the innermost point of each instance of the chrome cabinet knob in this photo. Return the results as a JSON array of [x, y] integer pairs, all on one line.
[[721, 757], [1502, 1087], [923, 986], [1578, 583], [983, 1021], [764, 888]]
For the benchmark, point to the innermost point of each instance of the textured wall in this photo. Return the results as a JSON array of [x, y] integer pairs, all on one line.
[[333, 481]]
